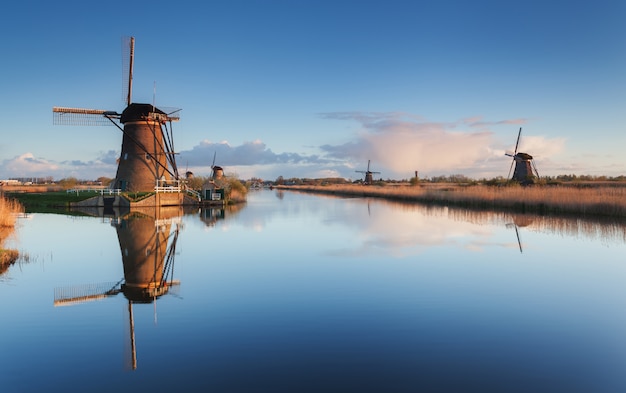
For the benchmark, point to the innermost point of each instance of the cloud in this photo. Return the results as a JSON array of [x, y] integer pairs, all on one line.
[[400, 144], [249, 153], [478, 121], [397, 143], [27, 165], [255, 159]]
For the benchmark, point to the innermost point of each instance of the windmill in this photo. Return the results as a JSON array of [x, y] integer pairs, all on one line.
[[213, 188], [147, 156], [148, 248], [525, 169], [217, 172], [368, 174]]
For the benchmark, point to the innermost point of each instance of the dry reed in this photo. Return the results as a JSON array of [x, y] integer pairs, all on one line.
[[592, 201], [9, 209]]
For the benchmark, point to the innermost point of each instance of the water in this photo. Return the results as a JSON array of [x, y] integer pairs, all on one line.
[[295, 293]]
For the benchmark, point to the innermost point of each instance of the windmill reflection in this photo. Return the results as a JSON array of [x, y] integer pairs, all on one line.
[[519, 221], [148, 246]]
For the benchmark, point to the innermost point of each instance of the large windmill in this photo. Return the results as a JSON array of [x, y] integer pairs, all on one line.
[[369, 179], [525, 169], [147, 156]]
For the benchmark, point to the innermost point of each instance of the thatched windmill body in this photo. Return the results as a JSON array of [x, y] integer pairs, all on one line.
[[525, 170], [369, 178], [147, 155]]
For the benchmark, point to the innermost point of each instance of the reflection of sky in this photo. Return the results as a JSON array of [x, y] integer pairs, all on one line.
[[361, 227], [328, 291]]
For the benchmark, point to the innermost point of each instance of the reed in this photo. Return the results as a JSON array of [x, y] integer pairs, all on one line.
[[593, 201], [9, 209]]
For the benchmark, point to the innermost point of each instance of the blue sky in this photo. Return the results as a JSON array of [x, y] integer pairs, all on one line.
[[318, 88]]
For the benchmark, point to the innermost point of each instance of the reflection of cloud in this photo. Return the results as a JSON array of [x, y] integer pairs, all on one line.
[[399, 230], [406, 231]]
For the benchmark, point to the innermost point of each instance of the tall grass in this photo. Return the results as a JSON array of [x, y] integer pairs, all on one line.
[[9, 209], [599, 201]]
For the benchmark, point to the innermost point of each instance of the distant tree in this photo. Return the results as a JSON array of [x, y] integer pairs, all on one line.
[[196, 182], [105, 181], [69, 182]]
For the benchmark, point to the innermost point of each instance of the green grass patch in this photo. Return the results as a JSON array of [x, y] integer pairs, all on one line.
[[49, 202]]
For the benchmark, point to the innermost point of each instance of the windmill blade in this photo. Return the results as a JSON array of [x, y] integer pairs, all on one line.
[[368, 165], [534, 167], [85, 293], [128, 59], [519, 134], [213, 163], [83, 117], [519, 242], [511, 168], [171, 114]]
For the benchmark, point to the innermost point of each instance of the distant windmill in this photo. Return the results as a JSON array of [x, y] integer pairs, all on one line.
[[525, 169], [147, 154], [369, 179], [217, 172]]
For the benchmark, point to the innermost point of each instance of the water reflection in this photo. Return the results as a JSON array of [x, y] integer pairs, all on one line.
[[411, 228], [301, 293], [147, 239]]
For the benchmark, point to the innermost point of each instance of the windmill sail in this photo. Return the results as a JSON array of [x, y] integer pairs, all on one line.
[[147, 157]]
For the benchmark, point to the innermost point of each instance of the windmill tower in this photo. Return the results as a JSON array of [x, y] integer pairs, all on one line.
[[147, 157], [525, 169], [369, 179]]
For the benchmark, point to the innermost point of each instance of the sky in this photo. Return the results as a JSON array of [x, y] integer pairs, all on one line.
[[313, 89]]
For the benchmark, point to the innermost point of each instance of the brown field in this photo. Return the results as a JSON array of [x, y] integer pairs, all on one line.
[[598, 200]]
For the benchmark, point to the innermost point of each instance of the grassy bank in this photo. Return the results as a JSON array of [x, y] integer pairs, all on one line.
[[9, 209], [592, 201], [42, 202]]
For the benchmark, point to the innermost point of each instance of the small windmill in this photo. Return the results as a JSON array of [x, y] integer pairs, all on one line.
[[369, 179], [217, 172], [147, 155], [525, 169]]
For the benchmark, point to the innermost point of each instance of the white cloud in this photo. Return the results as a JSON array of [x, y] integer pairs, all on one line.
[[27, 165], [399, 144]]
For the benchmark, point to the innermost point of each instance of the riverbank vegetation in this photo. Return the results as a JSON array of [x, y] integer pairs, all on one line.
[[9, 210], [598, 200]]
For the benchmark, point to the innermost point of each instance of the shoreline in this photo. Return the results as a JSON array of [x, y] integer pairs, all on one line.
[[600, 201]]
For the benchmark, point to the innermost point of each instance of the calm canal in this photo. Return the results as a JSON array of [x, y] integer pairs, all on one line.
[[298, 292]]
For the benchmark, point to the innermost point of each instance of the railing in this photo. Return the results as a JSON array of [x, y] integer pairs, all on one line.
[[101, 191], [167, 189], [194, 194]]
